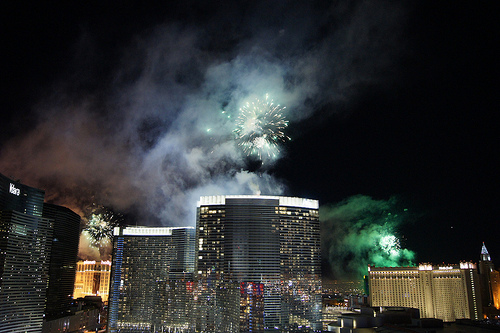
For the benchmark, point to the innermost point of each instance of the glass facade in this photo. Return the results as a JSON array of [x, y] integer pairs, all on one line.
[[251, 307], [25, 243], [248, 242], [15, 196], [63, 256], [152, 280]]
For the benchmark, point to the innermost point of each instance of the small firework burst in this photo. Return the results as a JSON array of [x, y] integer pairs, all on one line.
[[260, 128], [100, 226]]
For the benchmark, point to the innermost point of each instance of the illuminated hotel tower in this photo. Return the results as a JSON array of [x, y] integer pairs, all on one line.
[[495, 286], [92, 279], [25, 240], [258, 263], [443, 292], [485, 268], [490, 281], [152, 280]]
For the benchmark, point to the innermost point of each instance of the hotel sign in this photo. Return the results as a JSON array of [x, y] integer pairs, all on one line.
[[14, 190]]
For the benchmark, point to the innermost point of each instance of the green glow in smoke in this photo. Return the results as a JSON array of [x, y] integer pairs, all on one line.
[[360, 231]]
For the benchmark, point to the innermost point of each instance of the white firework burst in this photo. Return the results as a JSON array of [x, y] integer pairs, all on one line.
[[100, 226], [260, 127]]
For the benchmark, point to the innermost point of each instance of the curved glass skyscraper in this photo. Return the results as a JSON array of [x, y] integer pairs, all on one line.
[[63, 255], [258, 264], [25, 240]]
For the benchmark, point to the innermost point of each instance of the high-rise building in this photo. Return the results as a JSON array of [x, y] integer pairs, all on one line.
[[443, 292], [486, 267], [25, 241], [63, 256], [152, 280], [258, 263], [490, 284], [92, 279], [495, 287]]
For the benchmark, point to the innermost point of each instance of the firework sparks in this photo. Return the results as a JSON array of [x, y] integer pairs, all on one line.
[[260, 128], [100, 226], [390, 244]]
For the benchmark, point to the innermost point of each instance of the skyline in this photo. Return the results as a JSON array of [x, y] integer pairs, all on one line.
[[391, 103]]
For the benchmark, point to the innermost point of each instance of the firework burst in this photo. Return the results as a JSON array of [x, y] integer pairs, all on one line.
[[390, 245], [260, 128], [100, 226]]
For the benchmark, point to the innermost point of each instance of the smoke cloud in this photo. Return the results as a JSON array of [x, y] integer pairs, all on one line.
[[360, 231], [155, 131], [88, 251]]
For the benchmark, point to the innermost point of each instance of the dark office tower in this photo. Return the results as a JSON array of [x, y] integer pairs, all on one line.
[[63, 257], [25, 240], [267, 248], [152, 280]]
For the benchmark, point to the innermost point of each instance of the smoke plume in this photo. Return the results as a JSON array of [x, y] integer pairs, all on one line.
[[151, 129], [360, 231]]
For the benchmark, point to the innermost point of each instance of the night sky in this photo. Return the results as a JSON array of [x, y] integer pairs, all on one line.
[[387, 101]]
